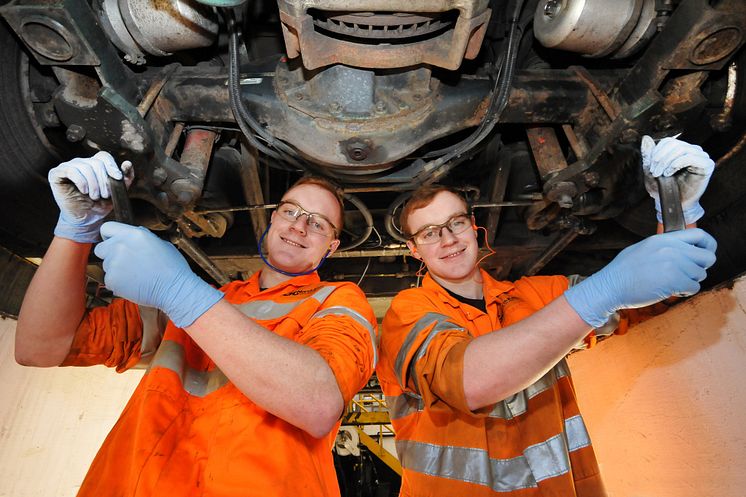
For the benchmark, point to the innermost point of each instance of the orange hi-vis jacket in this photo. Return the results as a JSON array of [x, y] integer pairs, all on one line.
[[188, 431], [532, 444]]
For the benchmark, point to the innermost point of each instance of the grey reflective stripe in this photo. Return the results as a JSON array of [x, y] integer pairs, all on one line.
[[577, 434], [171, 356], [339, 310], [464, 464], [403, 405], [153, 326], [548, 459], [574, 279], [538, 462], [268, 309], [518, 403], [443, 323]]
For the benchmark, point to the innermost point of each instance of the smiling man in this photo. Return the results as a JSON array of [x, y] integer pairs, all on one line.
[[246, 384], [473, 369]]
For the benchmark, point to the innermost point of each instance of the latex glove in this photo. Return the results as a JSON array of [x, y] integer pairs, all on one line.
[[649, 271], [149, 271], [81, 189], [666, 158]]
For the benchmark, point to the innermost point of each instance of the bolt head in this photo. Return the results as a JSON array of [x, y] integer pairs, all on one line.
[[159, 176], [591, 178], [358, 150], [552, 8], [629, 135], [75, 133]]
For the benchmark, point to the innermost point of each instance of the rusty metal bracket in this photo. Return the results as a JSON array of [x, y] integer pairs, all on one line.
[[445, 50]]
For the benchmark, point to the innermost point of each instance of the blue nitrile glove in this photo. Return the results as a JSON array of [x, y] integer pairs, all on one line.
[[649, 271], [666, 158], [149, 271], [81, 189]]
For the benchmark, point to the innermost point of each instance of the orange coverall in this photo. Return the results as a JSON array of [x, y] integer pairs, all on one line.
[[188, 431], [532, 444]]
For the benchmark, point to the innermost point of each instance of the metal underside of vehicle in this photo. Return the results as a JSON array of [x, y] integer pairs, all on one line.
[[535, 109]]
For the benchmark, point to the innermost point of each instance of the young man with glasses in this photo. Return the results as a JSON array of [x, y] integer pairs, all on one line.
[[479, 393], [246, 385]]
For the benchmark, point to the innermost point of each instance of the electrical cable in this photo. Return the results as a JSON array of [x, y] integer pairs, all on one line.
[[389, 221], [367, 217], [275, 148], [498, 102], [364, 272]]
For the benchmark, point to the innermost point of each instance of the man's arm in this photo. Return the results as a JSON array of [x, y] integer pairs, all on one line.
[[497, 365], [53, 306], [288, 379], [54, 303], [501, 364]]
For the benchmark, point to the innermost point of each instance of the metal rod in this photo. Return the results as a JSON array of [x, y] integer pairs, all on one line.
[[493, 205], [562, 241], [173, 140], [192, 250], [155, 89], [238, 209]]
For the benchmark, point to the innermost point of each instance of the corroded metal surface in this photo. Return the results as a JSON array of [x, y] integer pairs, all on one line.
[[447, 46]]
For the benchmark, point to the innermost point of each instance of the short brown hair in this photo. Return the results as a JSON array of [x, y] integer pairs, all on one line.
[[422, 197], [331, 188]]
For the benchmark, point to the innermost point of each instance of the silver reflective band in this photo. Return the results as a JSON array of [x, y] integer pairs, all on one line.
[[171, 356], [444, 323], [407, 403], [339, 310], [539, 462], [153, 326], [517, 404], [422, 350], [403, 405], [577, 434], [268, 309]]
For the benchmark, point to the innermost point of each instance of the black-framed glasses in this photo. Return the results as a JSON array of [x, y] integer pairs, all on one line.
[[432, 233], [317, 223]]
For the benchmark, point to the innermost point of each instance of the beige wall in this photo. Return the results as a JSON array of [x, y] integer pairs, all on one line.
[[664, 404], [52, 421]]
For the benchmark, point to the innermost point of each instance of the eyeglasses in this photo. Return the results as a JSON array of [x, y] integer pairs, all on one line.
[[432, 233], [317, 223]]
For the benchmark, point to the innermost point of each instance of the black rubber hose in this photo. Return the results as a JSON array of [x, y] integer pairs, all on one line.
[[391, 228], [241, 114], [359, 205], [504, 82]]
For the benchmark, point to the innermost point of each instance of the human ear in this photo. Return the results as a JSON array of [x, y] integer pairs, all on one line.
[[413, 249], [333, 247]]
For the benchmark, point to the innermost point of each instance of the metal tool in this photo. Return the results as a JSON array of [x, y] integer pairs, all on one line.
[[122, 205], [673, 214]]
